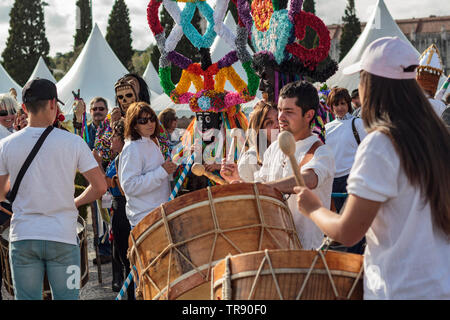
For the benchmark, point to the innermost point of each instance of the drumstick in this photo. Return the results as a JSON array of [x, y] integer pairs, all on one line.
[[286, 142], [230, 156], [199, 170], [6, 211]]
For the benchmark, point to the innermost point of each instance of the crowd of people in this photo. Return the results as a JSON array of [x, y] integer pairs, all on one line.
[[378, 186]]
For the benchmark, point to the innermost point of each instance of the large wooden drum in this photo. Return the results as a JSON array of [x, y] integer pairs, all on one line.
[[289, 275], [6, 269], [176, 245]]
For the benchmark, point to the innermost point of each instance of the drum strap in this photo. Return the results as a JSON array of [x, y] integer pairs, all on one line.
[[310, 153]]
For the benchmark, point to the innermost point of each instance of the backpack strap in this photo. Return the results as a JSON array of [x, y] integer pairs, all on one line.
[[11, 196], [310, 153], [355, 132]]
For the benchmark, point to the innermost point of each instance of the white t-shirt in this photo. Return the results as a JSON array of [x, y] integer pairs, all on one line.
[[248, 165], [276, 166], [143, 179], [44, 208], [406, 257], [4, 132], [340, 138]]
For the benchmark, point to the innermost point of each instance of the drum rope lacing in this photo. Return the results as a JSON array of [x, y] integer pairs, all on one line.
[[226, 279], [217, 232]]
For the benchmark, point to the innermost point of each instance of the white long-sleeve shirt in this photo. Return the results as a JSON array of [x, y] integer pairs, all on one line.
[[142, 178], [276, 166], [341, 140]]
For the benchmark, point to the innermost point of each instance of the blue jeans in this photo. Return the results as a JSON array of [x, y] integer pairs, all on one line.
[[31, 259]]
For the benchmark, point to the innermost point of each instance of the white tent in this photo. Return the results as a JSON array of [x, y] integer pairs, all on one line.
[[381, 24], [95, 72], [6, 83], [41, 71], [152, 78]]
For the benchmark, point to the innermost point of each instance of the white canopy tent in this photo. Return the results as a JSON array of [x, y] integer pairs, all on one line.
[[95, 72], [152, 78], [6, 83], [41, 71], [381, 24]]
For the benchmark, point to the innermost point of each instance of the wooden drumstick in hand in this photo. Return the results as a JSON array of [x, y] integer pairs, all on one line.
[[199, 170], [286, 142], [230, 156]]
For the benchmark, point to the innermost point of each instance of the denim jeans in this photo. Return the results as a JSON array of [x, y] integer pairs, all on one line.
[[30, 259]]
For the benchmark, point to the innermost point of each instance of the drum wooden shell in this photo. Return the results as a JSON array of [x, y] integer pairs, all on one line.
[[6, 269], [281, 275], [175, 246]]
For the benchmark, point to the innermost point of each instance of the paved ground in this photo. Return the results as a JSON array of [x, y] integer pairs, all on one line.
[[93, 290]]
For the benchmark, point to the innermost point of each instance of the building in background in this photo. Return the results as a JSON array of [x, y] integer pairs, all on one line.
[[421, 32]]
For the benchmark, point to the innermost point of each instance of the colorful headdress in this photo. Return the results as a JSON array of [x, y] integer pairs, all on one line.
[[207, 77], [430, 69], [276, 32]]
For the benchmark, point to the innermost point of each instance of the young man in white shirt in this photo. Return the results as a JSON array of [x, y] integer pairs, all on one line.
[[43, 234], [297, 108]]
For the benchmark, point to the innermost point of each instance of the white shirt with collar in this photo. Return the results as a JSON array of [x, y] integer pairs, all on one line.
[[340, 138], [277, 166], [143, 179]]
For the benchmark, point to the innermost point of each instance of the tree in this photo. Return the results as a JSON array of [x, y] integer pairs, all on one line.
[[26, 41], [84, 23], [310, 38], [118, 33], [184, 47], [351, 29]]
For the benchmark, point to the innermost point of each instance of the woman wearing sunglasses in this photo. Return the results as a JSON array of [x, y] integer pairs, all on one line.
[[8, 113], [143, 173]]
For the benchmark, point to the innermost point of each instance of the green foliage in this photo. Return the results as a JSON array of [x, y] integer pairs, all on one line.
[[85, 23], [82, 211], [184, 46], [26, 41], [311, 39], [350, 30], [62, 62], [141, 59], [80, 180], [118, 33]]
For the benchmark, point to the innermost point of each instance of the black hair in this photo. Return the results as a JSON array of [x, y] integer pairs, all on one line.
[[306, 94]]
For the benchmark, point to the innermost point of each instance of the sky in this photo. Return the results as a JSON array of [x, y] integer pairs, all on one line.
[[60, 17]]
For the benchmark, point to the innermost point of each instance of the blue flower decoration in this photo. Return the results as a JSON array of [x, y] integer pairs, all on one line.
[[189, 30], [277, 37], [204, 103]]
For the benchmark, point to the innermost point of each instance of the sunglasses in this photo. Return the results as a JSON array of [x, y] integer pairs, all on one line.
[[146, 120], [4, 113]]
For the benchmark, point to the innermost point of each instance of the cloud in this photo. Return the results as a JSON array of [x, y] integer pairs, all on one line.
[[60, 17]]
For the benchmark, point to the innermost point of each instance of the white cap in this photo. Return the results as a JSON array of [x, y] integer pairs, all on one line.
[[387, 57]]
